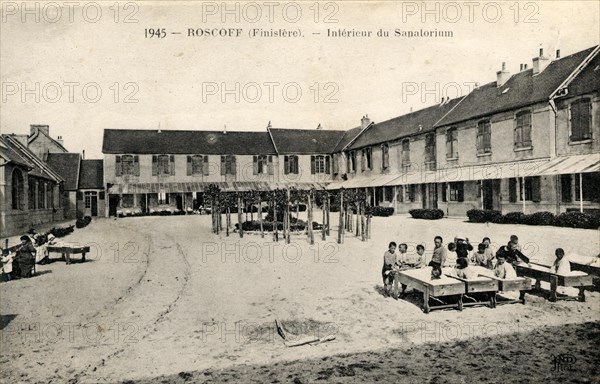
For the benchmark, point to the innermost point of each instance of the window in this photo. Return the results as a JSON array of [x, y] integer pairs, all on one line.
[[484, 137], [127, 165], [365, 160], [430, 147], [590, 185], [17, 190], [351, 164], [566, 192], [532, 189], [409, 192], [31, 193], [512, 190], [228, 165], [452, 143], [523, 130], [88, 196], [405, 152], [163, 165], [262, 164], [400, 193], [457, 191], [444, 190], [580, 120], [197, 165], [127, 201], [319, 164], [163, 198], [389, 193], [49, 195], [41, 195], [385, 156], [290, 164]]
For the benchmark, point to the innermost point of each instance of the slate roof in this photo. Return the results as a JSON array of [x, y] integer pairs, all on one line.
[[143, 141], [521, 89], [588, 80], [91, 174], [67, 166], [349, 135], [305, 141], [18, 153], [405, 125]]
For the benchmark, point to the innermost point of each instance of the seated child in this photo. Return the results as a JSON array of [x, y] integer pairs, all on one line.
[[462, 269], [561, 264], [481, 258]]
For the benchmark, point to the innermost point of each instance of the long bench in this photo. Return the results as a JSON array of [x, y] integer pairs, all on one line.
[[521, 284], [66, 251]]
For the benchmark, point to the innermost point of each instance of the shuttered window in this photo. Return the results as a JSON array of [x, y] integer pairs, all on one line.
[[581, 120]]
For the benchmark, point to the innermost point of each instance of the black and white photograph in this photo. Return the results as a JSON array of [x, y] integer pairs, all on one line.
[[299, 191]]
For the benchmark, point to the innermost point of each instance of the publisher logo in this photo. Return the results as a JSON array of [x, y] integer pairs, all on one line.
[[563, 362]]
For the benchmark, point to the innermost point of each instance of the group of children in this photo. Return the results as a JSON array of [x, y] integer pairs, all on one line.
[[20, 262], [460, 260]]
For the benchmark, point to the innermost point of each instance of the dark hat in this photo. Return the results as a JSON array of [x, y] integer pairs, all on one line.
[[25, 237]]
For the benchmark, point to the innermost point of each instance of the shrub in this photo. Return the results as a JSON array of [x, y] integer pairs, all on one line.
[[514, 218], [380, 211], [540, 218], [577, 220], [428, 214], [484, 216]]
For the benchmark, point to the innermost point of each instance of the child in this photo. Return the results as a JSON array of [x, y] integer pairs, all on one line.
[[439, 253], [481, 258], [503, 269], [462, 269], [7, 261], [420, 258], [561, 264], [389, 264]]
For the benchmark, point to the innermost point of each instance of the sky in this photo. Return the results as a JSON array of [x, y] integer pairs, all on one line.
[[81, 67]]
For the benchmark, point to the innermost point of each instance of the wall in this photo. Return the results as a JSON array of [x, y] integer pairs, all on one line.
[[564, 146]]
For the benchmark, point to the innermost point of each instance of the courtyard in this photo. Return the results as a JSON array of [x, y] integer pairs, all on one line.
[[162, 299]]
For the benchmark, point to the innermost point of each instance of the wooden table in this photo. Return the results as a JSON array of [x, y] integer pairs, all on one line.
[[521, 284], [477, 286], [577, 279], [421, 280], [66, 251]]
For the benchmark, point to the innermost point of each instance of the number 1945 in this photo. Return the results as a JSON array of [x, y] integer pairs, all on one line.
[[159, 33]]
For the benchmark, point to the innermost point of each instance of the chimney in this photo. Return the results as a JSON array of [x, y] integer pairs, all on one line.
[[540, 63], [43, 128], [558, 53], [502, 76], [319, 126], [60, 140], [442, 101], [365, 121], [83, 154]]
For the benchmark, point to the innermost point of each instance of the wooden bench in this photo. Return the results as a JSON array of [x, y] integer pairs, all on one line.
[[521, 284], [577, 279], [476, 289], [421, 280], [66, 251]]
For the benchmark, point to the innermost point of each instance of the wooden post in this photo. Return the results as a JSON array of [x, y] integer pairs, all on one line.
[[240, 215], [260, 217], [363, 229], [311, 237], [368, 227], [327, 215], [275, 232], [358, 218], [341, 219], [580, 193], [323, 229], [227, 221]]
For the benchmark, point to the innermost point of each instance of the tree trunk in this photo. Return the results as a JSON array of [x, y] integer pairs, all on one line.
[[240, 216], [341, 219], [368, 226], [275, 232]]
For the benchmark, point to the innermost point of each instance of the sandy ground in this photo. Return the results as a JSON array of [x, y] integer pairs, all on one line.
[[165, 300]]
